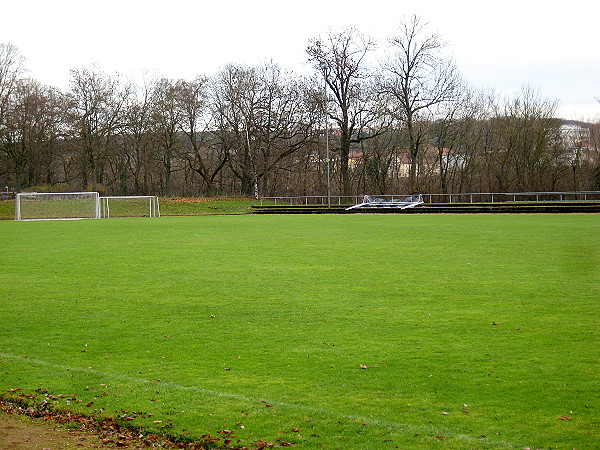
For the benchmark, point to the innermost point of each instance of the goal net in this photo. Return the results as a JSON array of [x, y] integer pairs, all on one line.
[[57, 205], [130, 206]]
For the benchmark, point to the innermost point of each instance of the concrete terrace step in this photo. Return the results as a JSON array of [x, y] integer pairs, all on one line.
[[442, 208]]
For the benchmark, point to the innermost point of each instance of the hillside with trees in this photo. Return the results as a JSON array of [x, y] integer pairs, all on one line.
[[407, 123]]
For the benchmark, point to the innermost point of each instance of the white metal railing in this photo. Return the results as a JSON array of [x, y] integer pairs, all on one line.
[[313, 200], [470, 197], [499, 197]]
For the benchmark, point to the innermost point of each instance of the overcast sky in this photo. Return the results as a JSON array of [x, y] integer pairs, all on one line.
[[504, 45]]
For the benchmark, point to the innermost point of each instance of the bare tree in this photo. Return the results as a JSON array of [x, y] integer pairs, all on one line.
[[11, 68], [234, 93], [32, 115], [576, 139], [133, 166], [282, 122], [594, 149], [379, 157], [166, 117], [204, 158], [262, 118], [418, 77], [341, 58], [258, 130], [97, 105], [528, 143], [451, 132], [474, 141]]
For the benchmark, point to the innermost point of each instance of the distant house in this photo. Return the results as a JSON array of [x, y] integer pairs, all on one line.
[[354, 159], [577, 145]]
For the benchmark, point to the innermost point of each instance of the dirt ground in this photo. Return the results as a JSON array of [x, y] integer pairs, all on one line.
[[39, 428], [21, 432], [23, 429]]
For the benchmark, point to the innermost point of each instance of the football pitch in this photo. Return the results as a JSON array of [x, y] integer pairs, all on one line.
[[327, 331]]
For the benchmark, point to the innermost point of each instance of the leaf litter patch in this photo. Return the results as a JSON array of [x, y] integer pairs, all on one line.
[[112, 432]]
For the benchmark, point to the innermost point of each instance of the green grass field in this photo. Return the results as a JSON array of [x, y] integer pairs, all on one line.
[[360, 331]]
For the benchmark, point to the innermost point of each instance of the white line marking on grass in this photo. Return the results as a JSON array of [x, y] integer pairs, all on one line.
[[327, 412]]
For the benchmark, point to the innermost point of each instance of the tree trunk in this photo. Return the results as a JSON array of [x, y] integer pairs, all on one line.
[[344, 155]]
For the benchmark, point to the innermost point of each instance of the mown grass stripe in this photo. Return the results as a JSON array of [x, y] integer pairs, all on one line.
[[335, 414]]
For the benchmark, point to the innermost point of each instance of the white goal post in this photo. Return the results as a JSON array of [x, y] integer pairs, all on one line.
[[57, 205], [129, 206]]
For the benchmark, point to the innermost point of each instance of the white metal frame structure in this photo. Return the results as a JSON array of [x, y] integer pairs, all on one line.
[[151, 207], [68, 205], [403, 203]]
